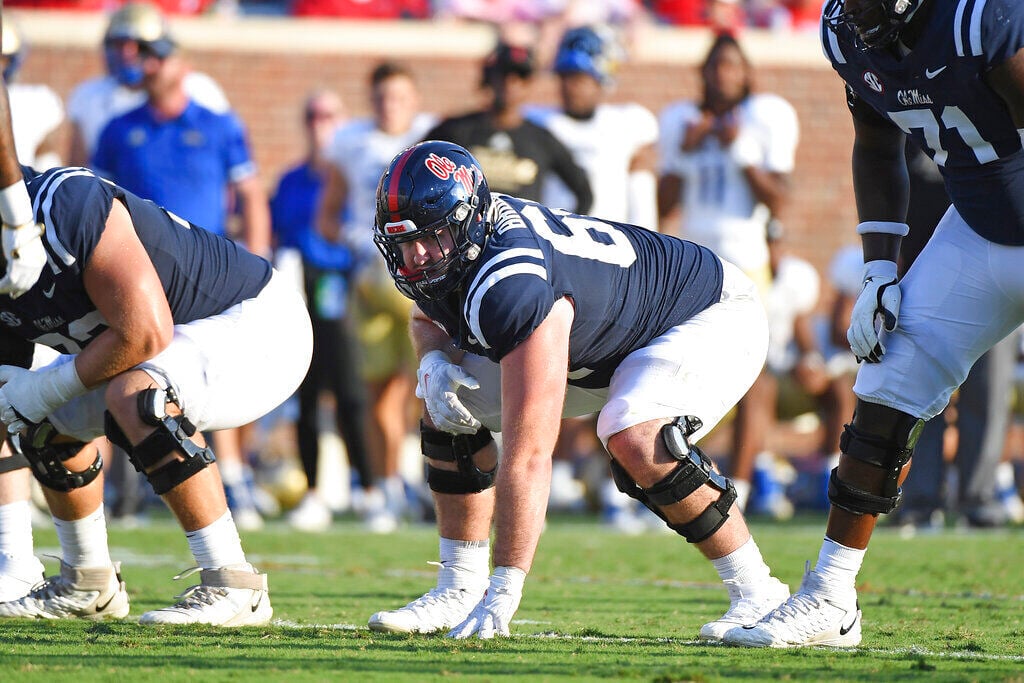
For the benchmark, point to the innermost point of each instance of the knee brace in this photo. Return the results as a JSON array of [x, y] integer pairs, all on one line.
[[457, 448], [173, 434], [884, 438], [693, 471], [46, 458]]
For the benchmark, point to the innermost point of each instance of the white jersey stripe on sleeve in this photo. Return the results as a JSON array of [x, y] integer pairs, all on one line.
[[476, 296], [977, 49], [46, 196], [958, 27]]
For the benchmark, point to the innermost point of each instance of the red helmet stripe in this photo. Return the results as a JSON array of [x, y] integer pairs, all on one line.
[[394, 180]]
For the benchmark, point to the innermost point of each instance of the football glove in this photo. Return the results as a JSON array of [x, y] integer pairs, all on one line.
[[22, 241], [493, 614], [437, 381], [880, 297], [28, 397]]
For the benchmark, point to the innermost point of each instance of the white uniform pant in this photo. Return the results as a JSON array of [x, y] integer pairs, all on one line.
[[701, 367], [227, 370], [962, 295]]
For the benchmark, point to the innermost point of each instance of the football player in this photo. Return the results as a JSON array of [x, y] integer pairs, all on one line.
[[525, 315], [951, 76], [160, 324]]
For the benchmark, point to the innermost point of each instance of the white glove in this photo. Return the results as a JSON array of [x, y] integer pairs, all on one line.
[[438, 378], [881, 296], [22, 241], [29, 397], [494, 612]]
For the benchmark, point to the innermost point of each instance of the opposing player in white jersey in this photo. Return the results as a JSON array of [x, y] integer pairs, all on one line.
[[726, 159], [36, 110], [948, 75], [525, 315], [612, 142], [94, 102], [357, 156]]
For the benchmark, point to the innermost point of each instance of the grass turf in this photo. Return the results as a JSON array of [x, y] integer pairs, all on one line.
[[598, 606]]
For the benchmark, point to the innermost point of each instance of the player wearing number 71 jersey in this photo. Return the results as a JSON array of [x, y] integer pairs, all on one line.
[[950, 74], [526, 315]]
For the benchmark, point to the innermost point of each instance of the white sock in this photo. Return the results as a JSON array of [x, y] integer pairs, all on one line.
[[16, 529], [463, 563], [217, 544], [837, 568], [83, 542], [743, 565]]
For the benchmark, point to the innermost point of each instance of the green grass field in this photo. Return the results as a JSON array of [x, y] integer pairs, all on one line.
[[598, 606]]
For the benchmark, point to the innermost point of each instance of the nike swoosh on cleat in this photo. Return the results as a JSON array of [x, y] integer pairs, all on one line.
[[843, 630], [100, 608], [256, 605]]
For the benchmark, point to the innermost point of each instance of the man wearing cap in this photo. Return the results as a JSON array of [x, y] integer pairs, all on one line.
[[131, 32], [516, 153]]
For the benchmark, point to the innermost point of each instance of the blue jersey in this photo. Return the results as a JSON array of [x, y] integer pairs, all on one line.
[[184, 164], [628, 285], [937, 95], [202, 274]]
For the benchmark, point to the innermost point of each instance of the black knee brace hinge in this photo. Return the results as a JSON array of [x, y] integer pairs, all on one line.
[[884, 438], [173, 434], [47, 459], [457, 448], [693, 471]]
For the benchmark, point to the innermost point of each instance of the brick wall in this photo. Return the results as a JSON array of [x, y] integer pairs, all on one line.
[[267, 66]]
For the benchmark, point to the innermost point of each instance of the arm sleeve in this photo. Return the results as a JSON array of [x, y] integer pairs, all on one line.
[[511, 310]]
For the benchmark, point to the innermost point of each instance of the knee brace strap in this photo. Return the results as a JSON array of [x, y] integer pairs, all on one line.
[[15, 461], [694, 470], [46, 458], [172, 434], [457, 448], [882, 437]]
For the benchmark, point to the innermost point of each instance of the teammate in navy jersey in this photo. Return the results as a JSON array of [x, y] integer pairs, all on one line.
[[951, 76], [527, 314], [161, 325]]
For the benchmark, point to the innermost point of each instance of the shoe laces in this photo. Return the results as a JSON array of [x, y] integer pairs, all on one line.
[[199, 597], [437, 599]]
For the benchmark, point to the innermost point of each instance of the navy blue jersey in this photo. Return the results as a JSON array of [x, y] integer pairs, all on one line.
[[937, 95], [202, 274], [628, 286]]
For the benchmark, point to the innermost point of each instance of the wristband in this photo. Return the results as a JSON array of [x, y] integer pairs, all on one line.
[[15, 205], [886, 227]]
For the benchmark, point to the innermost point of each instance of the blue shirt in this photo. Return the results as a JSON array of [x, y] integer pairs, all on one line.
[[628, 285], [202, 274], [937, 95], [184, 164], [293, 212]]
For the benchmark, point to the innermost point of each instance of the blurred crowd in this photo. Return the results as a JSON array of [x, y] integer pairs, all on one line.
[[714, 167]]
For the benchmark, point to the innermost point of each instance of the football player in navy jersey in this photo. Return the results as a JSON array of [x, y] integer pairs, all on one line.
[[951, 76], [525, 315], [160, 325]]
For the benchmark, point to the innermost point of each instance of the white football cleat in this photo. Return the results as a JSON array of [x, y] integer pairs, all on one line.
[[92, 593], [442, 609], [228, 596], [18, 575], [748, 602], [804, 619]]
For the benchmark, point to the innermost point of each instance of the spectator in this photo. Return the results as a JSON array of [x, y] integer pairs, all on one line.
[[94, 102], [357, 156], [361, 9], [516, 154], [727, 159]]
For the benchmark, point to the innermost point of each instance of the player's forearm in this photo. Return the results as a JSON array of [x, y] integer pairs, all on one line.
[[112, 353], [523, 483], [427, 336]]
